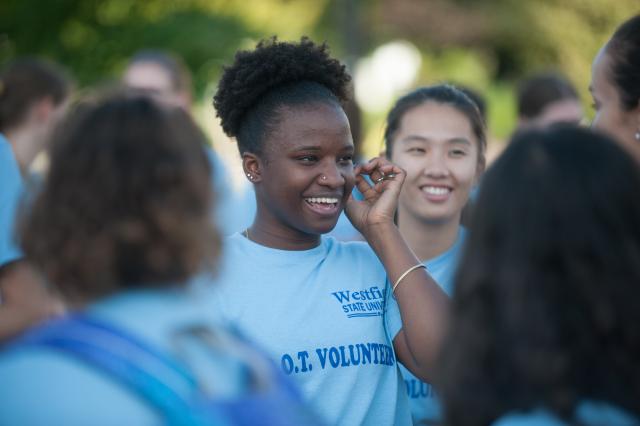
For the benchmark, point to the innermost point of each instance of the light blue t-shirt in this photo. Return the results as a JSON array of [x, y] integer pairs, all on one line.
[[588, 413], [42, 386], [344, 229], [234, 210], [11, 188], [425, 408], [321, 315]]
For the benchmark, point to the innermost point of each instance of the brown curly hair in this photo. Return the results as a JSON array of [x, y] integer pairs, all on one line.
[[126, 202]]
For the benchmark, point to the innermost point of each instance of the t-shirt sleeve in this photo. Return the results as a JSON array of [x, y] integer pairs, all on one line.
[[10, 193], [393, 321]]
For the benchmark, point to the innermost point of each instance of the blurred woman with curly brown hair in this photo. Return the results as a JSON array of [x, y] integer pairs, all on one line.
[[122, 223], [545, 321]]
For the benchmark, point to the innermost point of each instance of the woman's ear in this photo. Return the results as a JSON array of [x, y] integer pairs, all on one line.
[[252, 167]]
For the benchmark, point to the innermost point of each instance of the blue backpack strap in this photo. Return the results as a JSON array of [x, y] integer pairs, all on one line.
[[273, 400], [156, 376], [148, 372]]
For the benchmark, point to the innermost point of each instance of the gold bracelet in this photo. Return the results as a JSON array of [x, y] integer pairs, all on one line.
[[413, 268]]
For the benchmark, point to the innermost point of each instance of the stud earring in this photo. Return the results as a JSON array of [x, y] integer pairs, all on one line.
[[249, 176], [637, 135]]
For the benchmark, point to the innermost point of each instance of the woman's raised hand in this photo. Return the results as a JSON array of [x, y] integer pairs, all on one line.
[[380, 196]]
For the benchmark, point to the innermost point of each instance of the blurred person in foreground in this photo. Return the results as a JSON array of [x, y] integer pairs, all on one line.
[[33, 96], [165, 77], [122, 223], [547, 98], [545, 327], [615, 86]]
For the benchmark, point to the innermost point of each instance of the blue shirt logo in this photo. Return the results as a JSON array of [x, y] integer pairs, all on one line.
[[361, 303]]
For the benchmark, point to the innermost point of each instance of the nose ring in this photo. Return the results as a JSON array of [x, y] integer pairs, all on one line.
[[323, 177]]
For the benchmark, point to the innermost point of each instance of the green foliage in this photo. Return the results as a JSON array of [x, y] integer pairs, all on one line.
[[502, 115], [491, 44], [487, 44], [95, 38]]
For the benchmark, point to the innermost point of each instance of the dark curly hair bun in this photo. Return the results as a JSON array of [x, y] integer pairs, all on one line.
[[271, 65]]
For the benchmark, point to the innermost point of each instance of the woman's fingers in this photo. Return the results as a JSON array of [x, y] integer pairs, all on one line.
[[382, 175], [365, 188], [379, 169]]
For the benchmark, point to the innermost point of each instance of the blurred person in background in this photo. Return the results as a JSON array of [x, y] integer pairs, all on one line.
[[165, 77], [545, 327], [162, 75], [615, 86], [437, 135], [121, 224], [547, 98], [33, 96]]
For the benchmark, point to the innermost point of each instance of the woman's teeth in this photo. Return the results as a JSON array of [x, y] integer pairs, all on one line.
[[436, 190], [322, 200]]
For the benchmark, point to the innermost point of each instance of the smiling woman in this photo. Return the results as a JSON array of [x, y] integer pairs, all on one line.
[[318, 305], [437, 135]]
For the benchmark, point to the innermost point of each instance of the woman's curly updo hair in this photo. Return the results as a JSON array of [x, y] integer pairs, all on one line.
[[126, 202], [253, 91]]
